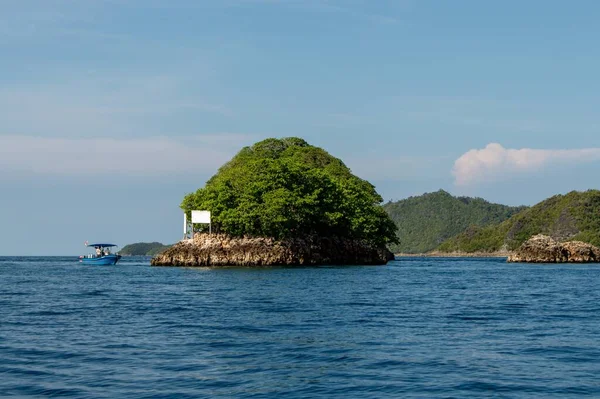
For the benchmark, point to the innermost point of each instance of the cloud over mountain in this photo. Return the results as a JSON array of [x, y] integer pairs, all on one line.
[[496, 162]]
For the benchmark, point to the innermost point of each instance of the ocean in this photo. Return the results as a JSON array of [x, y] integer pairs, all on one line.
[[416, 328]]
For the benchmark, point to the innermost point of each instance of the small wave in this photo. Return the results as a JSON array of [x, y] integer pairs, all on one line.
[[35, 390], [94, 293], [49, 313]]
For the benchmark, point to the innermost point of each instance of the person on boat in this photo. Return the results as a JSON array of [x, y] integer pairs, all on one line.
[[98, 252]]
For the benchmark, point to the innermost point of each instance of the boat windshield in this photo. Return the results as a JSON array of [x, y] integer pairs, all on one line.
[[103, 250]]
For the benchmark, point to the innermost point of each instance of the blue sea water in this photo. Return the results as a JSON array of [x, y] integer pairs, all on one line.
[[416, 328]]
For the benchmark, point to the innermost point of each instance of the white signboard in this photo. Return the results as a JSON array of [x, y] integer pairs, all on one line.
[[201, 217]]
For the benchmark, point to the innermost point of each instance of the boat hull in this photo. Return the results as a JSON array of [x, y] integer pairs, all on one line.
[[102, 260]]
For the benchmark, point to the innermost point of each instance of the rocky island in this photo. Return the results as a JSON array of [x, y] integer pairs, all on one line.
[[285, 202], [223, 250], [544, 249]]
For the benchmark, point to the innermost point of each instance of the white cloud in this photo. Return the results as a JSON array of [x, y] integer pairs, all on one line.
[[495, 161], [133, 157]]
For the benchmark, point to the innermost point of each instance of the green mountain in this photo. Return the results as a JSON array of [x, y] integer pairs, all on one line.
[[574, 216], [425, 221], [143, 249]]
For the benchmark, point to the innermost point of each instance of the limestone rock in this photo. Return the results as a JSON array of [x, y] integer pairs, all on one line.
[[581, 252], [223, 250], [544, 249]]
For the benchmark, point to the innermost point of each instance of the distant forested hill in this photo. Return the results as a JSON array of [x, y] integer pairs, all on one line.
[[574, 216], [424, 222], [143, 248]]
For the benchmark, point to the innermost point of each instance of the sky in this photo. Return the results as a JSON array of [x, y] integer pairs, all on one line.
[[112, 110]]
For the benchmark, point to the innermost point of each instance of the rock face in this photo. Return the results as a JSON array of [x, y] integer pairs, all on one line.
[[223, 250], [543, 249]]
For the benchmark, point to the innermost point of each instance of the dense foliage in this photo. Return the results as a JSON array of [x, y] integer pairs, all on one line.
[[574, 216], [286, 188], [143, 249], [424, 222]]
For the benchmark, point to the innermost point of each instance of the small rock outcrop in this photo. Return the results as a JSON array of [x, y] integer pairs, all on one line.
[[223, 250], [544, 249]]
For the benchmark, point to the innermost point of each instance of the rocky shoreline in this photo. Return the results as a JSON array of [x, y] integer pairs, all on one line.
[[538, 249], [436, 254], [210, 250], [544, 249]]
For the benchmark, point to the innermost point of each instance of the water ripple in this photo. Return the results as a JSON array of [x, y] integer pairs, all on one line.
[[448, 328]]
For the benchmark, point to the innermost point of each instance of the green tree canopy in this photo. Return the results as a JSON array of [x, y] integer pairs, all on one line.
[[286, 188]]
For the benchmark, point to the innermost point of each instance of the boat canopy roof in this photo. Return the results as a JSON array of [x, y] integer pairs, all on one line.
[[102, 245]]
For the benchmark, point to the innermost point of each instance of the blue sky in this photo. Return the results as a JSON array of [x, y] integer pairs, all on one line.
[[112, 110]]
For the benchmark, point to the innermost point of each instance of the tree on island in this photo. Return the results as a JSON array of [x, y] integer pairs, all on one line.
[[286, 188]]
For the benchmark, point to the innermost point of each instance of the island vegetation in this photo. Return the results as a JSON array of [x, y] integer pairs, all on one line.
[[574, 216], [143, 249], [286, 188], [426, 221], [306, 203]]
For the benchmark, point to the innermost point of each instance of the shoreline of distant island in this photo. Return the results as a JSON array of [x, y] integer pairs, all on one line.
[[455, 255]]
